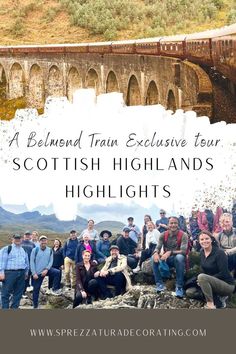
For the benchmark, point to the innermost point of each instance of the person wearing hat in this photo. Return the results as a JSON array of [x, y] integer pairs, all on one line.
[[134, 232], [14, 267], [114, 272], [28, 246], [103, 246], [128, 248], [41, 261], [162, 223]]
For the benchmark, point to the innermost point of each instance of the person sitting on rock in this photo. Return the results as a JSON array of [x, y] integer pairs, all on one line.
[[86, 284], [175, 244], [41, 260], [86, 244], [147, 218], [115, 273], [128, 248], [152, 238], [216, 278], [134, 232], [103, 246], [227, 240]]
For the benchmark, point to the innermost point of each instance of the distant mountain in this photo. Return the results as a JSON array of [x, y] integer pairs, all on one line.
[[37, 221]]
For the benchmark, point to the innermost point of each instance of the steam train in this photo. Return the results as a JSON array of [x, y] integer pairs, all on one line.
[[213, 48]]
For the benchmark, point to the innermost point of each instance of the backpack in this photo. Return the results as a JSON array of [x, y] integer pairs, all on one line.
[[179, 240]]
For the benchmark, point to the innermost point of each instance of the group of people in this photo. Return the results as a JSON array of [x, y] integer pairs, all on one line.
[[96, 267]]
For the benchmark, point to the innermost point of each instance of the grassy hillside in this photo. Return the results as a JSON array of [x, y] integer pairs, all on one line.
[[64, 21]]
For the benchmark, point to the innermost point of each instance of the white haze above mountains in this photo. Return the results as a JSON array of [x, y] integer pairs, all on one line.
[[107, 115]]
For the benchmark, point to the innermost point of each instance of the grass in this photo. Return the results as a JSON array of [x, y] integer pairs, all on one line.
[[9, 107], [70, 21]]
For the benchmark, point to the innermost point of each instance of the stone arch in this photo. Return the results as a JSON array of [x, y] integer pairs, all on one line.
[[133, 94], [152, 96], [171, 101], [16, 81], [92, 80], [3, 84], [74, 82], [55, 82], [112, 83], [36, 87]]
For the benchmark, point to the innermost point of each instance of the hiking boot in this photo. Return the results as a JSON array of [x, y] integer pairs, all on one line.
[[137, 269], [56, 292], [29, 289], [160, 288], [220, 302], [179, 292]]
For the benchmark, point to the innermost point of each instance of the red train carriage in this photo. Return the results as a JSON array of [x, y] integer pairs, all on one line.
[[123, 47], [99, 47], [149, 46], [76, 48], [173, 46], [224, 52], [199, 45]]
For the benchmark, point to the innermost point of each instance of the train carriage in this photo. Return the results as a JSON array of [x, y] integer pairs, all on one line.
[[173, 46], [224, 52], [149, 46], [99, 47], [199, 47], [123, 47], [76, 48]]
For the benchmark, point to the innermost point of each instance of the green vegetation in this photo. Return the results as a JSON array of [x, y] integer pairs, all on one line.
[[147, 17]]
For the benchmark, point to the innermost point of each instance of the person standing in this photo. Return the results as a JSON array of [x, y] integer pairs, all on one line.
[[41, 261], [28, 246], [58, 260], [35, 238], [227, 240], [91, 231], [162, 223], [69, 251], [14, 267], [134, 232]]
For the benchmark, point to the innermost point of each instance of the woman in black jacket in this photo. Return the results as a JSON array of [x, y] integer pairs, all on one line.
[[86, 285], [216, 278], [58, 260]]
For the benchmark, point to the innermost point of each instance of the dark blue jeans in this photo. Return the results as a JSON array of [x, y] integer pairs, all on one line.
[[232, 262], [13, 284], [178, 262], [55, 275], [117, 280], [51, 279]]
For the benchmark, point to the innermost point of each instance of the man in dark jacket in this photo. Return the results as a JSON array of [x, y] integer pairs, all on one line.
[[69, 251], [128, 248]]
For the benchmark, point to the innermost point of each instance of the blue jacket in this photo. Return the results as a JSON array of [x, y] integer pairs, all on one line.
[[69, 248]]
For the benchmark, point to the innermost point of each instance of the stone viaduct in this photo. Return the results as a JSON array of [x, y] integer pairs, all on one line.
[[142, 79]]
